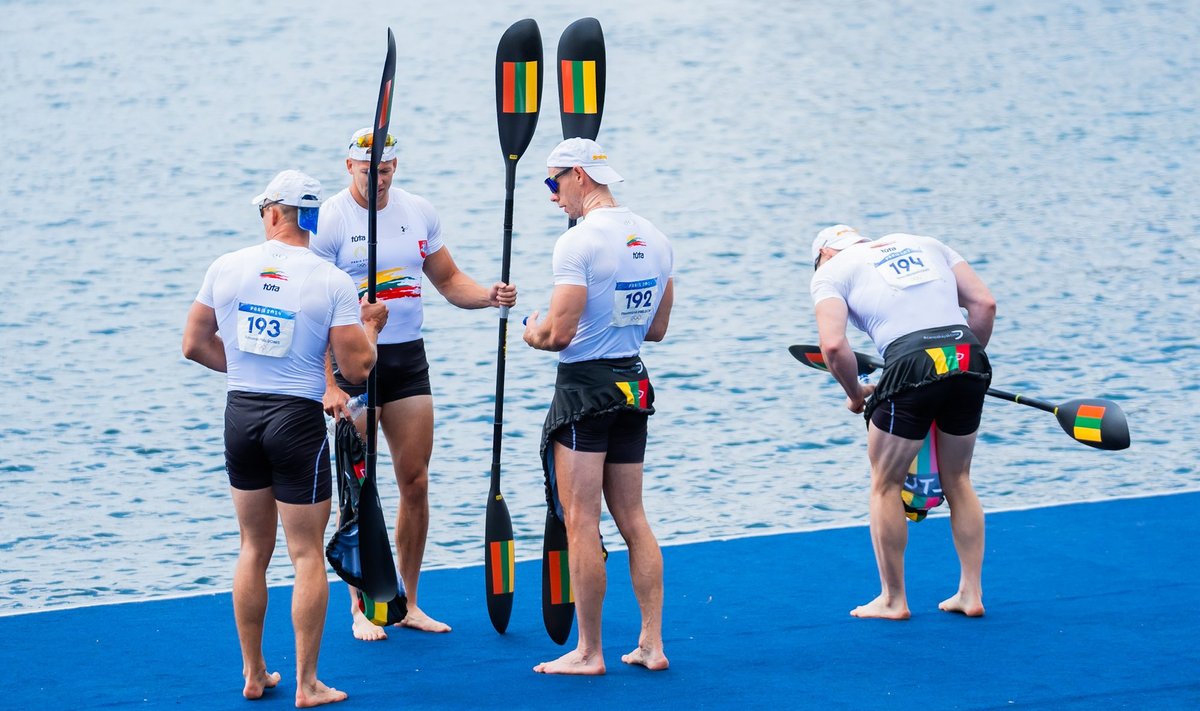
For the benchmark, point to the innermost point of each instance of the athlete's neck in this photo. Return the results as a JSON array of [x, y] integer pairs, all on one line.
[[288, 234], [598, 199]]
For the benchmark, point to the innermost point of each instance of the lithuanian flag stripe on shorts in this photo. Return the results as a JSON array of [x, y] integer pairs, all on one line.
[[578, 87], [520, 88], [503, 566], [560, 578], [637, 392], [947, 358], [1087, 423]]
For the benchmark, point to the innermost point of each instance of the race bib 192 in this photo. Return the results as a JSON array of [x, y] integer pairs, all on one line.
[[633, 302]]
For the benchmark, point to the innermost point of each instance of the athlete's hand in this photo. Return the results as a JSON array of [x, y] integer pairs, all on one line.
[[373, 314], [334, 401], [502, 294], [858, 404], [531, 324]]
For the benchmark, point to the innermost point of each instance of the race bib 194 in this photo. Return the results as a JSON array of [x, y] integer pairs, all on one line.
[[633, 302], [903, 267], [265, 330]]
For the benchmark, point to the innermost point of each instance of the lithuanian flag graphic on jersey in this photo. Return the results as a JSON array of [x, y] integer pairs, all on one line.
[[637, 392], [633, 241], [393, 284], [947, 358], [520, 88], [560, 578], [273, 273], [1087, 423], [578, 87], [503, 566]]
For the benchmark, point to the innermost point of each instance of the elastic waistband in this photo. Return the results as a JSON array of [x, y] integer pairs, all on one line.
[[918, 341]]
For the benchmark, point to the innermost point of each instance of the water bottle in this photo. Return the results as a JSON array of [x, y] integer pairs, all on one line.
[[356, 406]]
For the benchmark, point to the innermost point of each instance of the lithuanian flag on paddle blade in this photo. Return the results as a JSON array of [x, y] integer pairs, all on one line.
[[560, 578], [503, 566], [1087, 423], [520, 91], [579, 86]]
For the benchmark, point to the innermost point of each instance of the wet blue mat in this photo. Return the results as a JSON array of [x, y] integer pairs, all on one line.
[[1088, 606]]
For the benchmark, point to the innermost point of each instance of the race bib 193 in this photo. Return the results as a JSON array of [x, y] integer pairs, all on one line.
[[265, 330], [633, 302]]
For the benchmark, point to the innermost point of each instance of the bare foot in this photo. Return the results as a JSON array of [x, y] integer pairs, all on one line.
[[970, 606], [654, 660], [365, 629], [574, 662], [257, 682], [317, 694], [882, 609], [418, 620]]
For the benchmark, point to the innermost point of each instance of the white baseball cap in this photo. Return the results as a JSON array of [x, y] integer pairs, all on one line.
[[586, 154], [837, 237], [291, 187], [360, 146]]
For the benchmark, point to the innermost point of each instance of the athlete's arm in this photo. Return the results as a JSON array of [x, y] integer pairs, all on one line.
[[832, 315], [658, 327], [201, 341], [335, 399], [562, 319], [460, 289], [354, 345], [977, 299]]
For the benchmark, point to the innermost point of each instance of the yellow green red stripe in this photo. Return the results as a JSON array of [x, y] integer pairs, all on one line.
[[560, 578], [578, 86], [503, 566], [520, 88], [1087, 423], [947, 359]]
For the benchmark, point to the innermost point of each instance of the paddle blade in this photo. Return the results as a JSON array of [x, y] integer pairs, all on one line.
[[1094, 422], [811, 356], [558, 602], [499, 566], [581, 70], [518, 86], [375, 547], [383, 107]]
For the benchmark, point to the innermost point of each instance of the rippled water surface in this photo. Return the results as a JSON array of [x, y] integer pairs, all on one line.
[[1055, 145]]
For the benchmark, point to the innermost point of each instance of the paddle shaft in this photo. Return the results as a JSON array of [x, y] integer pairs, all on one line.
[[510, 179], [1001, 394]]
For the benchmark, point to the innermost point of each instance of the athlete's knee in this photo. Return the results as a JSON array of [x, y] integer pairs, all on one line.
[[413, 481]]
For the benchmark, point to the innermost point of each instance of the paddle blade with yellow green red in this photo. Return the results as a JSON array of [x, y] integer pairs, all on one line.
[[581, 73], [1095, 422], [518, 99], [558, 602]]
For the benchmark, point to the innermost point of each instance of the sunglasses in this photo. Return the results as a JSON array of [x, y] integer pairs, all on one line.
[[552, 183], [263, 207], [368, 140]]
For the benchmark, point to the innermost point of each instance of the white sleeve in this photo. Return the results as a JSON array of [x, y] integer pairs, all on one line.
[[952, 257], [433, 224], [344, 297], [823, 286], [205, 295], [324, 241], [570, 262]]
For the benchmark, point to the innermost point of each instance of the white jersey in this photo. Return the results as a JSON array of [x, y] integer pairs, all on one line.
[[625, 262], [408, 230], [275, 304], [893, 286]]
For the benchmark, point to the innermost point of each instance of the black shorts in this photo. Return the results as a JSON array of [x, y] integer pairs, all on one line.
[[622, 434], [955, 403], [277, 441], [401, 371]]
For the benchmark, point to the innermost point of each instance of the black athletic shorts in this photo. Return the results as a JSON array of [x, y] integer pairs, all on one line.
[[401, 371], [622, 434], [955, 403], [277, 441]]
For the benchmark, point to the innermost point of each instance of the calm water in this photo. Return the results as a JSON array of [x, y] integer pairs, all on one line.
[[1055, 145]]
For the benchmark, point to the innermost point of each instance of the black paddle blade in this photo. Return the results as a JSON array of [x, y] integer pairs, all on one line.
[[375, 547], [518, 86], [1094, 422], [383, 107], [499, 566], [581, 70], [811, 356], [558, 602]]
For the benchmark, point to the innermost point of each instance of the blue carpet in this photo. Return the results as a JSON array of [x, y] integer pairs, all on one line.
[[1088, 606]]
